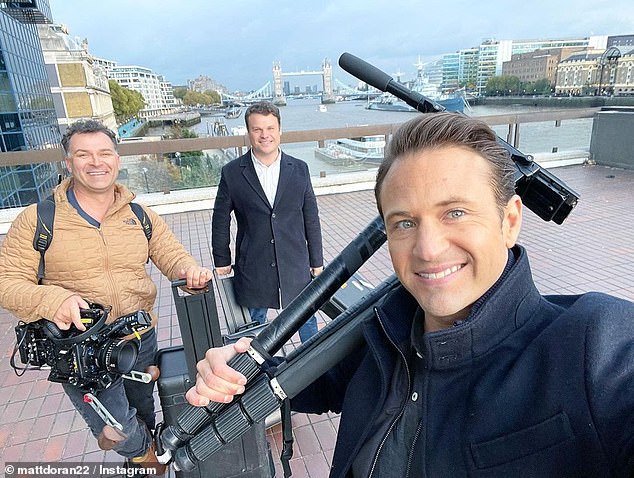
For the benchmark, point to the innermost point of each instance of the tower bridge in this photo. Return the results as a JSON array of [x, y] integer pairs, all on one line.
[[325, 72], [276, 94]]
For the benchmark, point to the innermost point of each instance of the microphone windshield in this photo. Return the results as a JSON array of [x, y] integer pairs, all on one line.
[[364, 71]]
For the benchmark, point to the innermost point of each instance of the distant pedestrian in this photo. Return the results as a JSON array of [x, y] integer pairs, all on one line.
[[278, 243]]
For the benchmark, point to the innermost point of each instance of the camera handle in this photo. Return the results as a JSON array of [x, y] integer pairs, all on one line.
[[102, 411], [136, 376]]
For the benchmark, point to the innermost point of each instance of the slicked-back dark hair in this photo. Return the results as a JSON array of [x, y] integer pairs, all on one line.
[[436, 130], [84, 127], [263, 108]]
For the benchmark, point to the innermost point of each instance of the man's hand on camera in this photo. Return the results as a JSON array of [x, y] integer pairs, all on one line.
[[197, 276], [68, 313], [315, 271], [223, 271], [216, 381]]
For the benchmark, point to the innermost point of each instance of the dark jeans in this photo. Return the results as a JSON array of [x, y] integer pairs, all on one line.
[[125, 400], [306, 331]]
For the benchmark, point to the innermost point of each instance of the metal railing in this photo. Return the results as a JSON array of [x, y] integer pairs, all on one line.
[[184, 172], [167, 146]]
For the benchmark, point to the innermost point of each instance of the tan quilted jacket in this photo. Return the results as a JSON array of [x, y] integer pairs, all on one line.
[[106, 265]]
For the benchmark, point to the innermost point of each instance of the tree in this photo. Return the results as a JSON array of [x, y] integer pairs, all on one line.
[[542, 87], [494, 86], [503, 86], [191, 169], [196, 98], [125, 102], [179, 92], [214, 95]]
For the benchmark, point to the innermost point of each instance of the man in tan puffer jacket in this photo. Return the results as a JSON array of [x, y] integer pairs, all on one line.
[[98, 254]]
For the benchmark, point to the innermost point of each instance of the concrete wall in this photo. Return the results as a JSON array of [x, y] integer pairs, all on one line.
[[612, 142]]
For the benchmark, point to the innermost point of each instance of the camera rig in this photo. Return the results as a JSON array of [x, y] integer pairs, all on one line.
[[201, 431], [90, 360]]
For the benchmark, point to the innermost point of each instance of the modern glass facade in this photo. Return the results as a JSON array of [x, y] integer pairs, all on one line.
[[450, 69], [27, 114]]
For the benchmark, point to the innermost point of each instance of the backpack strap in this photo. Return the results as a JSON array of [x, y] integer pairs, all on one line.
[[43, 231], [44, 228], [143, 218]]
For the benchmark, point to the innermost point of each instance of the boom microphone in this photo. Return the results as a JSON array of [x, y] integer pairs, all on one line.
[[382, 81], [541, 191]]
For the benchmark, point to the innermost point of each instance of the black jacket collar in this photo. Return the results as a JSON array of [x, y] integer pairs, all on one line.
[[504, 309]]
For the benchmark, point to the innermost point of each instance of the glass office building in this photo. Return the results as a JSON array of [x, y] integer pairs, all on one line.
[[27, 114]]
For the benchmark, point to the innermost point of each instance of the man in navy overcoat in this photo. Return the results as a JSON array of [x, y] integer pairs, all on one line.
[[278, 241]]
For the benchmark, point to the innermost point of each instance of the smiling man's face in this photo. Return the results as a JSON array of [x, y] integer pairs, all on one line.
[[265, 136], [447, 236], [93, 162]]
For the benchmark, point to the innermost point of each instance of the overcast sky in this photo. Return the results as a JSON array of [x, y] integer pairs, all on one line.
[[236, 42]]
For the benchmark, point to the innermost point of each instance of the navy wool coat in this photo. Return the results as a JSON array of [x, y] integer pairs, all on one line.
[[276, 245], [529, 386]]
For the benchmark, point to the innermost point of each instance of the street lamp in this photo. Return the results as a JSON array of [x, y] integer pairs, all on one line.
[[147, 185]]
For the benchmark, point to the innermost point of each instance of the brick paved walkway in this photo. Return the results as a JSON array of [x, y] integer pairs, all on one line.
[[593, 250]]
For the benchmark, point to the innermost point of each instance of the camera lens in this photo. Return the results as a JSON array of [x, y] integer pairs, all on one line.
[[120, 355]]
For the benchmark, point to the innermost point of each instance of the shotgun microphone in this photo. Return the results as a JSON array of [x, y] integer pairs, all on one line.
[[541, 191], [382, 81]]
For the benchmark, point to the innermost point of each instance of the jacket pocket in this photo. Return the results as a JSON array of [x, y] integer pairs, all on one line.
[[523, 443]]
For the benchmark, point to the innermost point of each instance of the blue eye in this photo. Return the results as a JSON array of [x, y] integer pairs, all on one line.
[[406, 224], [456, 214]]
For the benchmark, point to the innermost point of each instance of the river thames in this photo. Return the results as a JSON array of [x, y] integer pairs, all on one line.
[[304, 114]]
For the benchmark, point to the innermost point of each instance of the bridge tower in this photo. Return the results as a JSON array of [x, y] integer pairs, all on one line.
[[327, 97], [278, 92]]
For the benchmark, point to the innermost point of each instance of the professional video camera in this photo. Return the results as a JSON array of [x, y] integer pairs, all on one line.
[[92, 359]]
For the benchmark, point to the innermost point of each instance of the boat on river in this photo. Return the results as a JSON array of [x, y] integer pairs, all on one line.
[[233, 112], [349, 151], [454, 101], [388, 102]]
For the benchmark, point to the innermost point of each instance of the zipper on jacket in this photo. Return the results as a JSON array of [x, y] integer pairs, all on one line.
[[411, 451], [400, 413], [111, 281]]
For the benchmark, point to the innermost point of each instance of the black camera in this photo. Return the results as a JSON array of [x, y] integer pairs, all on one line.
[[90, 360]]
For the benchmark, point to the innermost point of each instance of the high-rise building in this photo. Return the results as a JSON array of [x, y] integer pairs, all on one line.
[[491, 55], [468, 67], [79, 84], [27, 113], [450, 71], [460, 69]]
